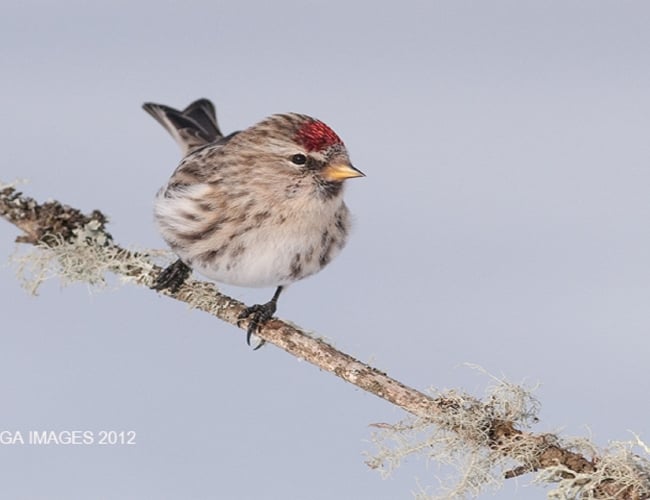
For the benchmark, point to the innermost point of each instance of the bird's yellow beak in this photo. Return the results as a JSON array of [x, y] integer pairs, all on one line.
[[341, 171]]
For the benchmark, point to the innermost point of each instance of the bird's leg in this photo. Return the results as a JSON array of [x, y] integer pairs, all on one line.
[[172, 277], [260, 314]]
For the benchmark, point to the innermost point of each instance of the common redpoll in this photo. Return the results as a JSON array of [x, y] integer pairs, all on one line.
[[261, 207]]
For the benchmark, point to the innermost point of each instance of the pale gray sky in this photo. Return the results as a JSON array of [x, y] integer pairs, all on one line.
[[503, 222]]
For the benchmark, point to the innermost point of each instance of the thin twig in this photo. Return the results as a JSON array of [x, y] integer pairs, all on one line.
[[52, 222]]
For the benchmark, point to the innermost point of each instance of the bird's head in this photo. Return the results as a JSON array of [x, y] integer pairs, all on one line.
[[298, 148]]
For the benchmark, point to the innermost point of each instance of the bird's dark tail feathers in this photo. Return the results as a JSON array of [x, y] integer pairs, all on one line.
[[191, 128]]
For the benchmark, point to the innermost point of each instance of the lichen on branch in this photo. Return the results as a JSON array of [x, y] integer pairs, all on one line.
[[489, 440]]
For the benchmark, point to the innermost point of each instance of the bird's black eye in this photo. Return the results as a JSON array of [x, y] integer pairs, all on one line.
[[299, 159]]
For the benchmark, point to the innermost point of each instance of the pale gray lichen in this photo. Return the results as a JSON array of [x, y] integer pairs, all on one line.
[[623, 463], [459, 442], [459, 439], [87, 258]]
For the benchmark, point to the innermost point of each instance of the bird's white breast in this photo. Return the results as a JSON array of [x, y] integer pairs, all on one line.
[[291, 243]]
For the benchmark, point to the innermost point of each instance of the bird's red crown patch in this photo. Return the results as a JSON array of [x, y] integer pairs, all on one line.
[[316, 136]]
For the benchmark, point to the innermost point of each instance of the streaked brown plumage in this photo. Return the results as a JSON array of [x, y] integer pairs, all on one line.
[[260, 207]]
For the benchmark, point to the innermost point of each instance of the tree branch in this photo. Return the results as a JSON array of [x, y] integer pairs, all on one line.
[[479, 425]]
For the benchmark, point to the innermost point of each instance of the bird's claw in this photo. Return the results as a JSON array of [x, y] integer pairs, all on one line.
[[258, 314], [172, 277]]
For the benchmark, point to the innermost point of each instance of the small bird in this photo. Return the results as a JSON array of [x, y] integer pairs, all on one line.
[[259, 207]]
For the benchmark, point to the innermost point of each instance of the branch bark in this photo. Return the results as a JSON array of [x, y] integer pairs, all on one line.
[[51, 223]]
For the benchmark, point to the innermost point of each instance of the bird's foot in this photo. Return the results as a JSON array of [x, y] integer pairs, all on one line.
[[258, 314], [172, 277]]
